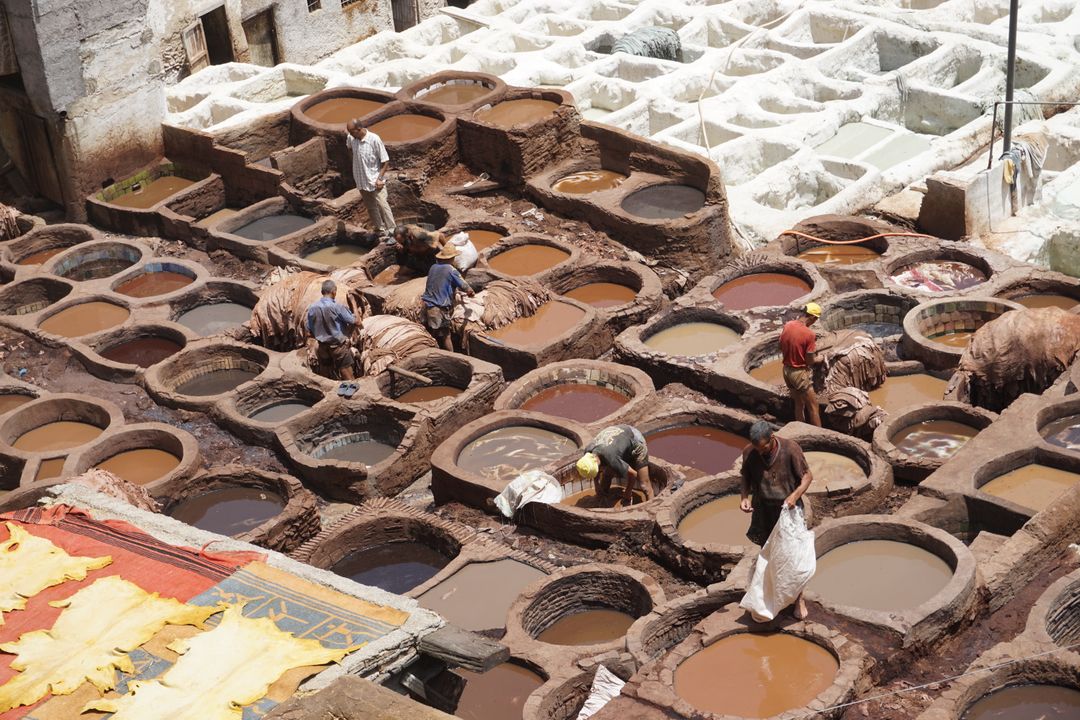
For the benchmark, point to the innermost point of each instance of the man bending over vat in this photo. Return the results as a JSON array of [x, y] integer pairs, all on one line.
[[330, 323], [443, 281], [618, 452], [774, 474], [418, 246], [370, 163], [797, 345]]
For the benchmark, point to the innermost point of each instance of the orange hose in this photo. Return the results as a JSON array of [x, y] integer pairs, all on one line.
[[852, 242]]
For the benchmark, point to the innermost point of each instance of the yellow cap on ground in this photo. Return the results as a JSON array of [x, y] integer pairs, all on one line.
[[813, 309], [588, 466]]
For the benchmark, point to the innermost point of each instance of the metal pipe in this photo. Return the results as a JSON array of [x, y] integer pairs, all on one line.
[[1006, 142]]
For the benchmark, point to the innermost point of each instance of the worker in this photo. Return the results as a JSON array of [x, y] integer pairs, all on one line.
[[418, 246], [798, 345], [774, 476], [330, 323], [370, 163], [443, 281], [617, 452]]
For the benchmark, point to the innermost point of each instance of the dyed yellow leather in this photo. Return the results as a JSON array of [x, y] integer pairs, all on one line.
[[219, 671], [90, 639], [29, 564]]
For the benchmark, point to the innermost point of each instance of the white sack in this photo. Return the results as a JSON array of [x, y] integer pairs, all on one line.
[[531, 486], [606, 686], [784, 567], [467, 254]]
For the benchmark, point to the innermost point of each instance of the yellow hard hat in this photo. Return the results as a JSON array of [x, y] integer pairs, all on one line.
[[813, 309], [588, 466]]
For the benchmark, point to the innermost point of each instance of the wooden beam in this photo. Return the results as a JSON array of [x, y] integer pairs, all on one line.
[[461, 648]]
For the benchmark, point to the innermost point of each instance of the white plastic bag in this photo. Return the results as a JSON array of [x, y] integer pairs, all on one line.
[[467, 254], [606, 686], [531, 486], [784, 567]]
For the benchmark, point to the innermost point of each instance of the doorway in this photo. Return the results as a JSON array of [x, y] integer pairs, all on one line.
[[261, 38], [405, 14], [218, 42]]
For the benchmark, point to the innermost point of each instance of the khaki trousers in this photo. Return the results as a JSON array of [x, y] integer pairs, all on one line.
[[378, 208]]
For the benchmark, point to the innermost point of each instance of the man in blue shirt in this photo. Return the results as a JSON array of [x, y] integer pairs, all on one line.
[[330, 323], [442, 281]]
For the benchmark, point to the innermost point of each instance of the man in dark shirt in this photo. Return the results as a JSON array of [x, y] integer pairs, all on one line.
[[619, 452], [442, 281], [797, 345], [774, 475], [330, 322]]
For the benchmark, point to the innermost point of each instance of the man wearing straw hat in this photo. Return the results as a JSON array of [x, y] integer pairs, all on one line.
[[797, 345], [442, 281]]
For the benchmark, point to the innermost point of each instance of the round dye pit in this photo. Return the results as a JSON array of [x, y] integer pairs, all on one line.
[[40, 257], [1063, 432], [278, 411], [272, 227], [664, 202], [602, 294], [457, 93], [708, 449], [150, 194], [505, 453], [901, 391], [880, 575], [357, 448], [1027, 702], [396, 567], [588, 181], [140, 466], [509, 113], [692, 339], [336, 255], [216, 382], [958, 339], [936, 439], [1039, 302], [939, 276], [498, 694], [528, 260], [754, 675], [589, 500], [770, 372], [214, 318], [838, 255], [84, 319], [428, 393], [478, 596], [717, 522], [589, 627], [483, 239], [338, 111], [13, 400], [832, 470], [551, 320], [143, 351], [150, 284], [59, 435], [97, 262], [761, 289], [229, 511], [1032, 486], [405, 128], [582, 402]]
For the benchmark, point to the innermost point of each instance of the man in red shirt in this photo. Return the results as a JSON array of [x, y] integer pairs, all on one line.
[[797, 344]]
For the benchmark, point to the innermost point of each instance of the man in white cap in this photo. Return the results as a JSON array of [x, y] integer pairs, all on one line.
[[797, 345], [443, 281], [617, 452]]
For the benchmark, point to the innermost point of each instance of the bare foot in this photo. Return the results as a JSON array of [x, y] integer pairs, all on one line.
[[800, 609]]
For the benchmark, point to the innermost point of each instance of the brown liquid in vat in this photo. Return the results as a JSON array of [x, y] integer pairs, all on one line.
[[359, 450], [527, 259], [405, 128], [1027, 702], [153, 193], [516, 112], [505, 453], [393, 275], [602, 294], [279, 411], [958, 339], [551, 320], [429, 393], [482, 239], [664, 202], [1064, 432], [589, 181], [272, 227], [49, 469], [336, 255], [10, 402], [717, 522], [1036, 302], [84, 319], [215, 217], [708, 449], [755, 675], [396, 567], [1032, 486], [213, 318], [832, 469], [761, 289], [770, 372], [59, 435], [338, 111], [478, 596], [692, 339], [576, 401], [40, 257], [838, 255], [154, 283], [143, 352], [228, 511], [938, 439], [455, 94], [141, 466], [498, 694], [588, 499], [901, 391], [880, 575], [588, 628]]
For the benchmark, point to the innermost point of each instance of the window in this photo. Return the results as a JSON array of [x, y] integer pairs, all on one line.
[[313, 5]]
